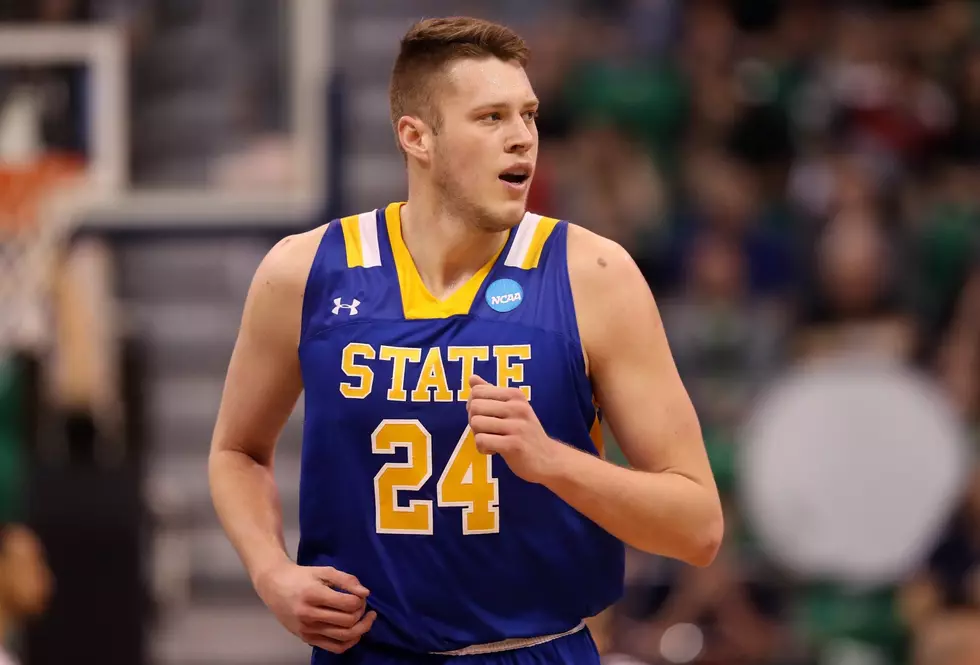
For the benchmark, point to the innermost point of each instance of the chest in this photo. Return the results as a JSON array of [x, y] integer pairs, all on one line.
[[402, 367]]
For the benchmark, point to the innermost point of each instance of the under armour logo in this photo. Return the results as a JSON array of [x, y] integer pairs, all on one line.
[[351, 308]]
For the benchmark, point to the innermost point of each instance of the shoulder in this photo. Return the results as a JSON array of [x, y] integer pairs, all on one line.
[[287, 265], [608, 289], [601, 271], [274, 305]]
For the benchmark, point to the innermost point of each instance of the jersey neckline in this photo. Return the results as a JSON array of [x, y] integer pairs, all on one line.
[[417, 301]]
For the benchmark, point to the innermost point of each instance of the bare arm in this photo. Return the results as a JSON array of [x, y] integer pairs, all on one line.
[[261, 389], [668, 503]]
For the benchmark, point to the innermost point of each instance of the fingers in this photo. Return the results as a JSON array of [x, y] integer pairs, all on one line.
[[338, 639], [322, 596], [341, 633], [494, 414], [490, 408], [476, 380], [489, 391], [329, 645], [489, 444], [488, 425], [341, 580], [312, 617]]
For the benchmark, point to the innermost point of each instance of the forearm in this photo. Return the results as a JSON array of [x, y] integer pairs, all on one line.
[[247, 502], [660, 513]]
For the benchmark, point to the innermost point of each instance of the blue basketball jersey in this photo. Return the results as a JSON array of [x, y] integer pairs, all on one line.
[[454, 547]]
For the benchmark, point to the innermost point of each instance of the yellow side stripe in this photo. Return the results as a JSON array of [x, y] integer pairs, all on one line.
[[596, 434]]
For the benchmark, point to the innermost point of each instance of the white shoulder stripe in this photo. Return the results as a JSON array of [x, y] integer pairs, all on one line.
[[522, 240], [368, 226]]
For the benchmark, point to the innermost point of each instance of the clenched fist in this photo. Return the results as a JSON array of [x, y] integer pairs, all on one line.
[[322, 606], [504, 423]]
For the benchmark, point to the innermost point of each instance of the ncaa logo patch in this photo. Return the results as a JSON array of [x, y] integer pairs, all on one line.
[[504, 295]]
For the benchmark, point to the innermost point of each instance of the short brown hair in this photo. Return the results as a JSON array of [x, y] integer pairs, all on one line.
[[431, 45]]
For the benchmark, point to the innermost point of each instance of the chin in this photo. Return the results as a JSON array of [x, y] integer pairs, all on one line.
[[498, 216], [509, 215]]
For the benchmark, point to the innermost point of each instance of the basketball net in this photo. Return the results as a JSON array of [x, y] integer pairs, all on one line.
[[33, 223]]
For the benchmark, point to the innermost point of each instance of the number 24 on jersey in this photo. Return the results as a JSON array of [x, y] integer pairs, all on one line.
[[467, 481]]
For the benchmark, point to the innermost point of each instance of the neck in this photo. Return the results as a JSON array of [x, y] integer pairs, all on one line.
[[447, 248]]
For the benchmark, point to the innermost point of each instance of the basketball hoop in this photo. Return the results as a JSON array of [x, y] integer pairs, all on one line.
[[33, 223]]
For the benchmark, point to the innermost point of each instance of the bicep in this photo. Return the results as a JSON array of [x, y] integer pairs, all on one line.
[[263, 380], [636, 380]]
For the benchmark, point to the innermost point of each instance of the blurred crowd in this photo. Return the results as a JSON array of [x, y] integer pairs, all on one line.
[[795, 179]]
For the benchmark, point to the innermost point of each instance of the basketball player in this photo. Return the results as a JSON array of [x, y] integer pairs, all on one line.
[[453, 350]]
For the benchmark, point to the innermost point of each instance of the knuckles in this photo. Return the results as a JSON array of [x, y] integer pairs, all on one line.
[[520, 409], [305, 613], [489, 443], [348, 620], [497, 393], [493, 408], [481, 443], [481, 392], [336, 642]]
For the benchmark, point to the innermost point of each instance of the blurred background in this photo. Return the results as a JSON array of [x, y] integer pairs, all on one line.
[[798, 180]]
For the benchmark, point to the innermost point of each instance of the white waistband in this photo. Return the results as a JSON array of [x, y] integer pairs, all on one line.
[[507, 645]]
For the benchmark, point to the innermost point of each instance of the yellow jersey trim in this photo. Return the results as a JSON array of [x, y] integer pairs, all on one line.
[[361, 240], [596, 435], [417, 301], [541, 234], [352, 241], [529, 240]]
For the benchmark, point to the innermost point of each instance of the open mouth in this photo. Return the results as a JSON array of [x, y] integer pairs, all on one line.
[[516, 176]]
